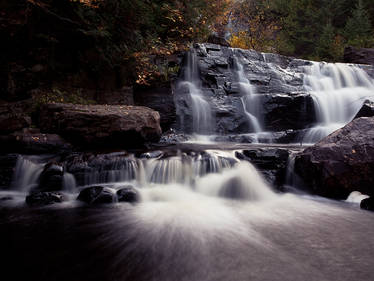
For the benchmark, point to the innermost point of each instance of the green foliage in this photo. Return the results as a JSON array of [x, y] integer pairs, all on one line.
[[358, 30], [313, 29], [56, 95]]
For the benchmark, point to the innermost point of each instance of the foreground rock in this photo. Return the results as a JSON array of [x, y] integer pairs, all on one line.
[[14, 116], [367, 110], [32, 141], [359, 55], [160, 99], [341, 163], [51, 179], [44, 198], [97, 195], [271, 162], [367, 204], [102, 125], [7, 168], [128, 194]]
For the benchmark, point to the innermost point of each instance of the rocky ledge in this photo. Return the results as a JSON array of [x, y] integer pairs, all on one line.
[[101, 125], [342, 162]]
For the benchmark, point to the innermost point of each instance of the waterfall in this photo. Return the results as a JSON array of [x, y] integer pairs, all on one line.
[[68, 182], [338, 92], [249, 99], [202, 118], [26, 174]]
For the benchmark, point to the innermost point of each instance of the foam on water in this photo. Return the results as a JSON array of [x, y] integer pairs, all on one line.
[[338, 91]]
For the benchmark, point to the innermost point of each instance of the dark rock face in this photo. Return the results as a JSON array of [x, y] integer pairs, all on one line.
[[124, 96], [278, 81], [152, 154], [367, 204], [14, 117], [96, 195], [160, 99], [36, 199], [128, 194], [359, 55], [367, 110], [7, 165], [342, 162], [214, 39], [270, 161], [31, 141], [89, 168], [289, 111], [51, 179], [99, 125], [232, 189]]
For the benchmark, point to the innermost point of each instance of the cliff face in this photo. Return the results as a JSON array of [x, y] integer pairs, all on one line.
[[277, 84]]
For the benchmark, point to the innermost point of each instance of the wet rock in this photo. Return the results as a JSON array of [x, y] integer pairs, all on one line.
[[97, 195], [160, 99], [152, 154], [51, 179], [7, 166], [359, 55], [14, 117], [128, 194], [31, 141], [367, 110], [288, 111], [102, 125], [342, 162], [233, 189], [44, 198], [270, 161], [367, 204], [278, 84], [124, 96], [214, 39]]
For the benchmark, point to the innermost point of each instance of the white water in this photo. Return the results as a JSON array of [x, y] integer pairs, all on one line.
[[202, 118], [338, 92], [26, 174], [249, 99]]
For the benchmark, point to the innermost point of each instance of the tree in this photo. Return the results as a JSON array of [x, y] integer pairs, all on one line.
[[358, 30]]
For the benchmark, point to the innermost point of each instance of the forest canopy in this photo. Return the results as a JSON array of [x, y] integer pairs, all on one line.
[[109, 34]]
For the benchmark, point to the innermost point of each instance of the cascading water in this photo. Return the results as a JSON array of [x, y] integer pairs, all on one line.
[[205, 213], [26, 175], [338, 92], [249, 99], [202, 118]]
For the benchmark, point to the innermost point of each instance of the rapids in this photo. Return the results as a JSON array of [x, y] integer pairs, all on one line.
[[206, 212]]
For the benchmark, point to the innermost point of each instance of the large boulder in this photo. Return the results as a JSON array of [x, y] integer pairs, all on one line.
[[359, 55], [97, 195], [288, 111], [31, 141], [270, 161], [128, 194], [342, 162], [367, 110], [51, 178], [38, 199], [7, 167], [160, 99], [102, 125], [14, 116], [367, 204]]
